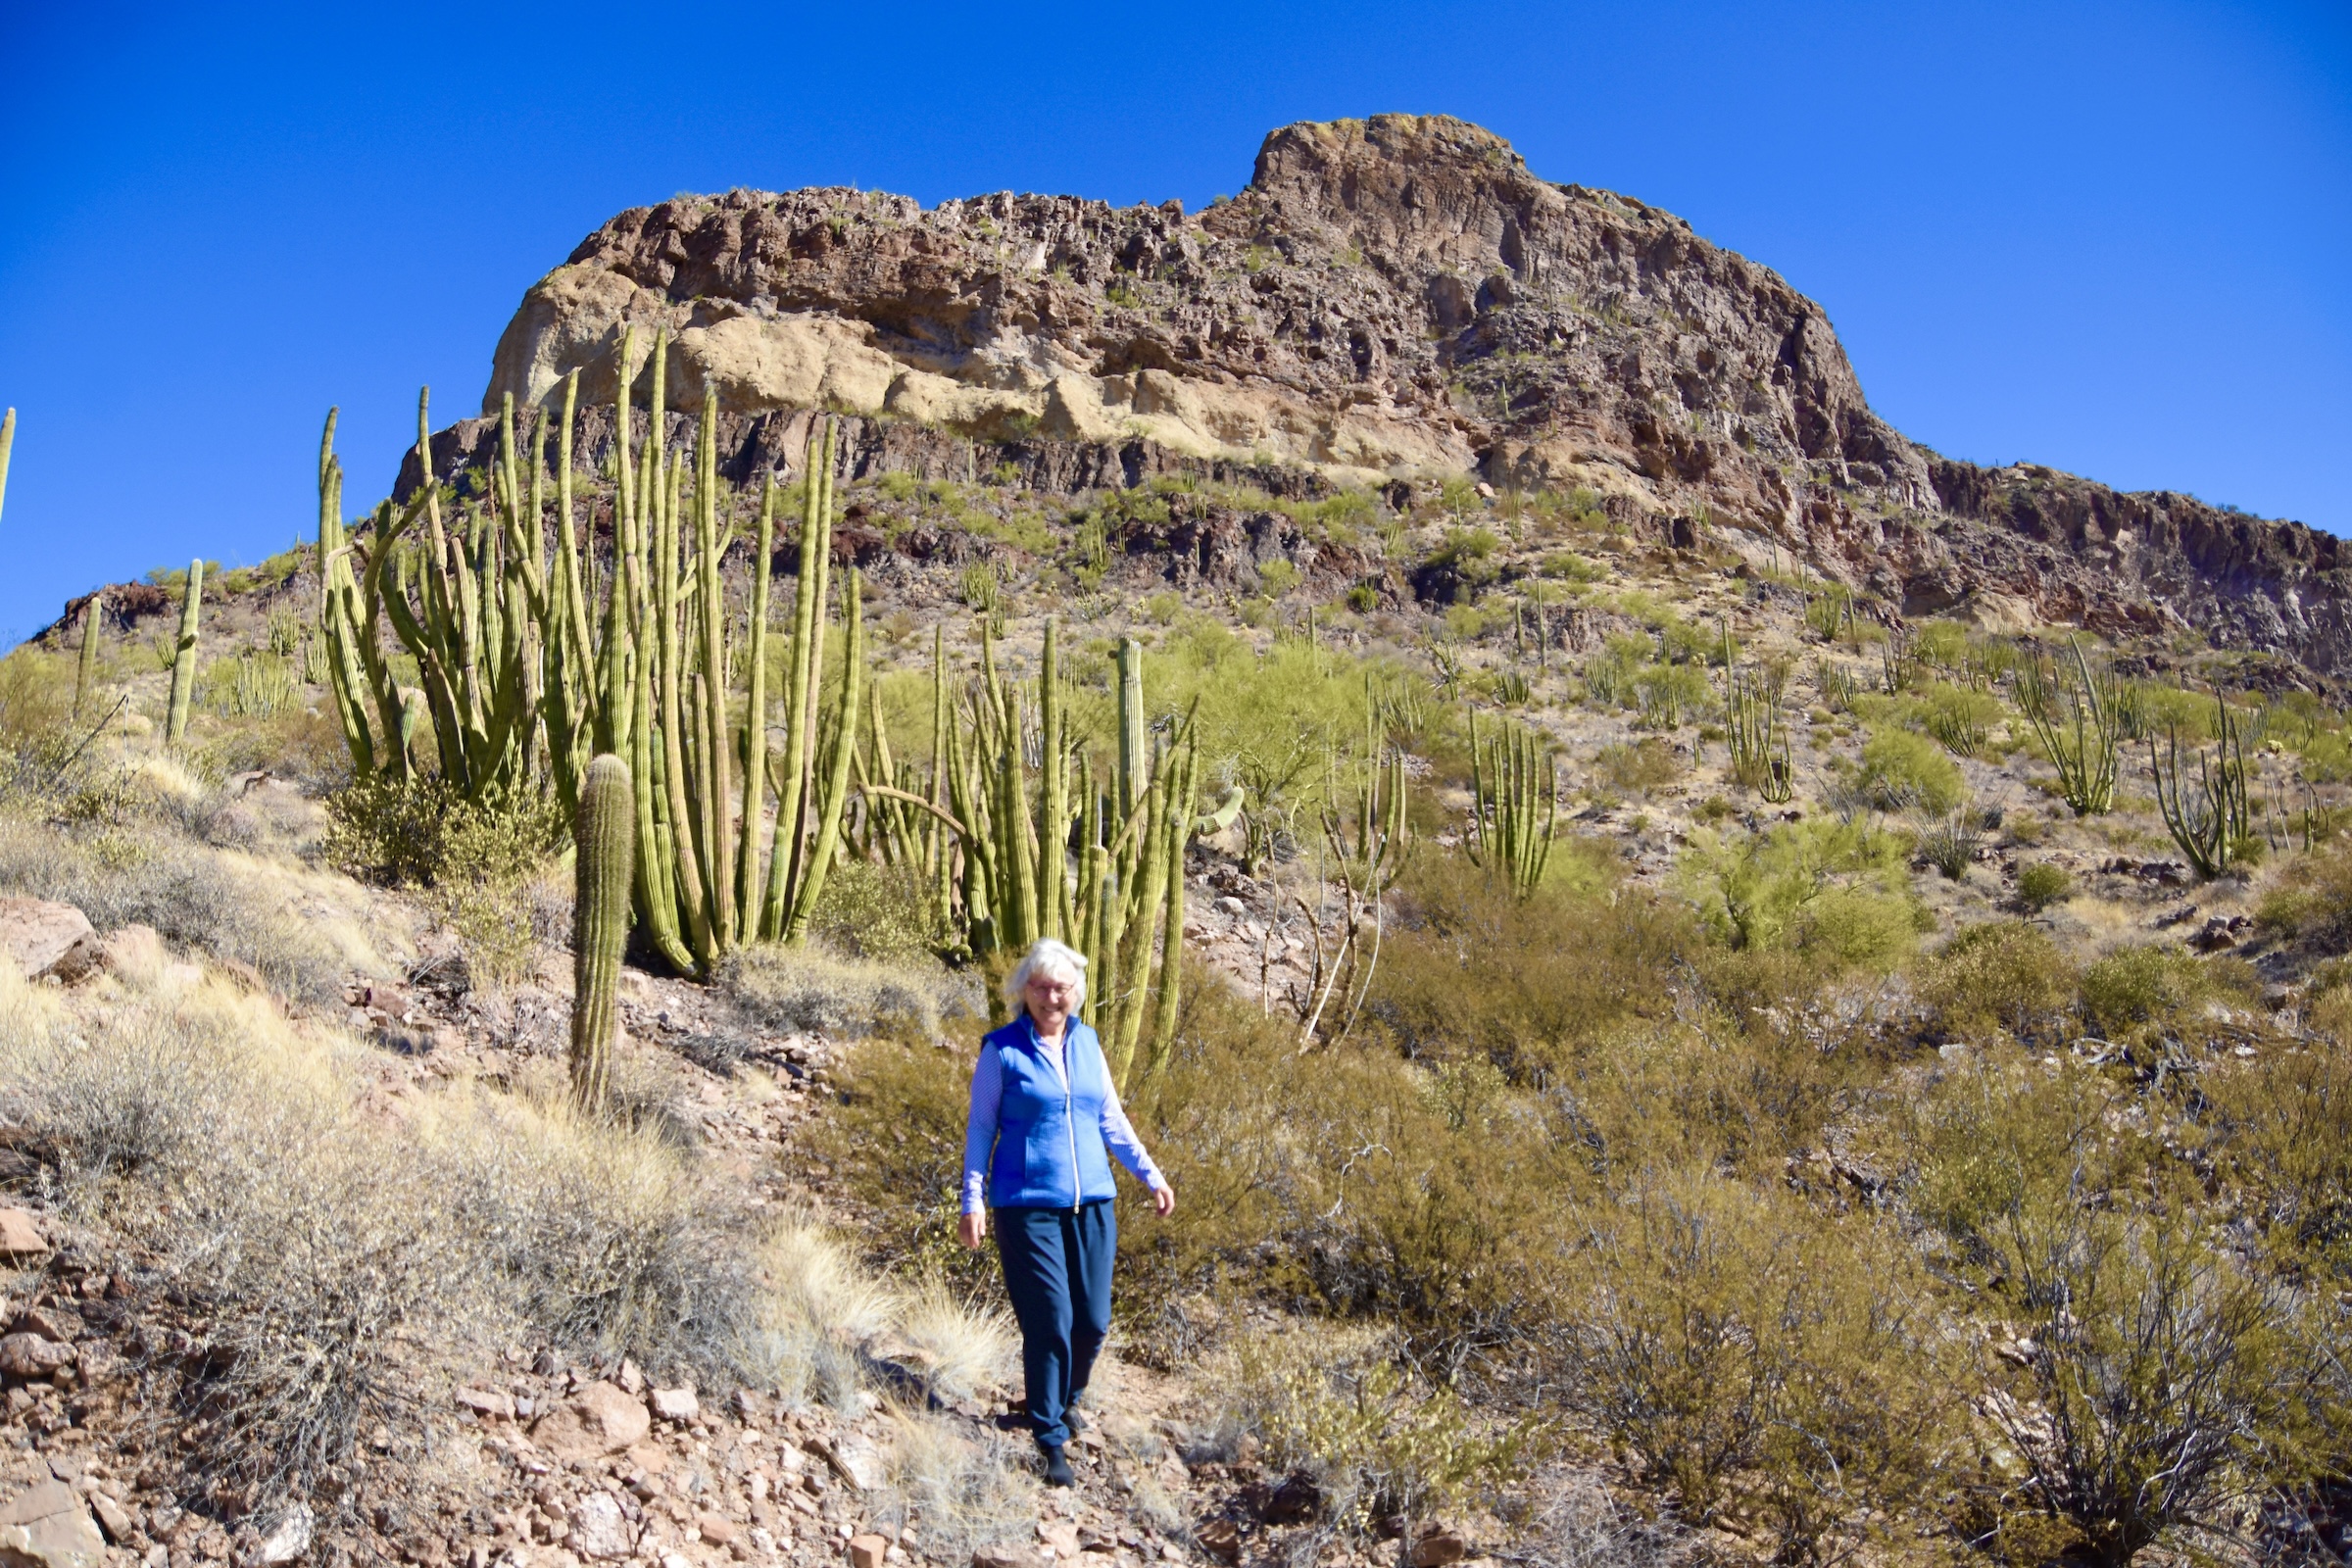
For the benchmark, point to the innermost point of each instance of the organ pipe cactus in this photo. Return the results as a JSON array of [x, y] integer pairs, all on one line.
[[183, 659], [2077, 727], [1759, 744], [2212, 821], [603, 875], [529, 660], [1513, 784]]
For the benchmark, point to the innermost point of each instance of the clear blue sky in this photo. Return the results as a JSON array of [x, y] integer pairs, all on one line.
[[2116, 238]]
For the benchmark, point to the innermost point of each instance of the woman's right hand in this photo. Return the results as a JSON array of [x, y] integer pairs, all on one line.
[[972, 1229]]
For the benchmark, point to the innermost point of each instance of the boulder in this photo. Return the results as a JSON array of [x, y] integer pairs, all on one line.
[[598, 1420], [288, 1538], [45, 1526], [48, 940], [28, 1355], [867, 1551], [20, 1235], [600, 1529], [1439, 1548]]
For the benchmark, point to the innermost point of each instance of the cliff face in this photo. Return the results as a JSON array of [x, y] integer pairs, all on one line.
[[1390, 297]]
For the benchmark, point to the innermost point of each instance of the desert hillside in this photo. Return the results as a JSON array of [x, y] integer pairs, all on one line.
[[1716, 987]]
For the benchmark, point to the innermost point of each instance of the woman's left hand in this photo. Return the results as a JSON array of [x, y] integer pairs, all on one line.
[[1164, 1200]]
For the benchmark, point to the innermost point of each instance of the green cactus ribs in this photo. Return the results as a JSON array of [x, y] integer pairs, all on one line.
[[604, 874]]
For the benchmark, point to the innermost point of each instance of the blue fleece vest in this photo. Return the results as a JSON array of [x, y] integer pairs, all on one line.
[[1050, 1151]]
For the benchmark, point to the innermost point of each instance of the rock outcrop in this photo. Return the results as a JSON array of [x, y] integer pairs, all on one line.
[[1389, 297]]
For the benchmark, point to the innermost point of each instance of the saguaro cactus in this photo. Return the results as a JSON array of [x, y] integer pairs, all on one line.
[[183, 660], [607, 837], [85, 673]]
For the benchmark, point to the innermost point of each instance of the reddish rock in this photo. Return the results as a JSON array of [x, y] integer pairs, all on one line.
[[598, 1420], [45, 1526], [20, 1235], [866, 1551], [48, 940]]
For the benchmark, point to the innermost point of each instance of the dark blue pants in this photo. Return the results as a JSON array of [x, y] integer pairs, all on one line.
[[1058, 1272]]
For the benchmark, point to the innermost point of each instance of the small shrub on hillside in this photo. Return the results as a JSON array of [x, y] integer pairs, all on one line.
[[1905, 773], [810, 991], [2040, 884], [388, 832], [882, 913], [2311, 902], [1949, 841], [1646, 766], [1377, 1440], [1748, 1353], [2001, 974], [2133, 986], [1831, 889], [2165, 1387], [1470, 971], [2283, 1127]]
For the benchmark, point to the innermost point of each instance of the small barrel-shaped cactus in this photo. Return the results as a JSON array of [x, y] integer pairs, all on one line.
[[607, 837], [183, 661]]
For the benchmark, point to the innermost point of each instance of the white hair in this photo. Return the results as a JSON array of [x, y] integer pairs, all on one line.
[[1055, 960]]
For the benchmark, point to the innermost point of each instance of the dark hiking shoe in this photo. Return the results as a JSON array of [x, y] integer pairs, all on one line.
[[1057, 1468], [1074, 1419]]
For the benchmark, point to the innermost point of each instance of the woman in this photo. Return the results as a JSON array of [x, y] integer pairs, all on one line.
[[1044, 1118]]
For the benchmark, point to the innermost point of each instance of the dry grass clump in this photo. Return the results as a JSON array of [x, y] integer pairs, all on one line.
[[215, 900], [808, 990], [1339, 1406], [2310, 901], [196, 1127], [818, 1311], [960, 1495], [309, 1241], [961, 1347]]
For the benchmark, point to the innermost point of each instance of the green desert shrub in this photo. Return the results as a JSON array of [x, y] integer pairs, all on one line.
[[1756, 1359], [1831, 890], [2311, 900], [2040, 884], [1639, 768], [1904, 773], [2134, 985], [2001, 974], [1469, 971]]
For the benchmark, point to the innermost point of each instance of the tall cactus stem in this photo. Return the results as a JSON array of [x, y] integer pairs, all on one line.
[[600, 925], [85, 672], [183, 660]]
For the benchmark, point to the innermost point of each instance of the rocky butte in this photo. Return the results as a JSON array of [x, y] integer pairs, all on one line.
[[1389, 298]]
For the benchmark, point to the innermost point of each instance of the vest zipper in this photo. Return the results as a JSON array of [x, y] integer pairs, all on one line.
[[1069, 1115]]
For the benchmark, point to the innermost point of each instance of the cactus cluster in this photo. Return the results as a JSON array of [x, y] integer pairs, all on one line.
[[1760, 743], [2074, 719], [2213, 819], [531, 659], [1514, 787]]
